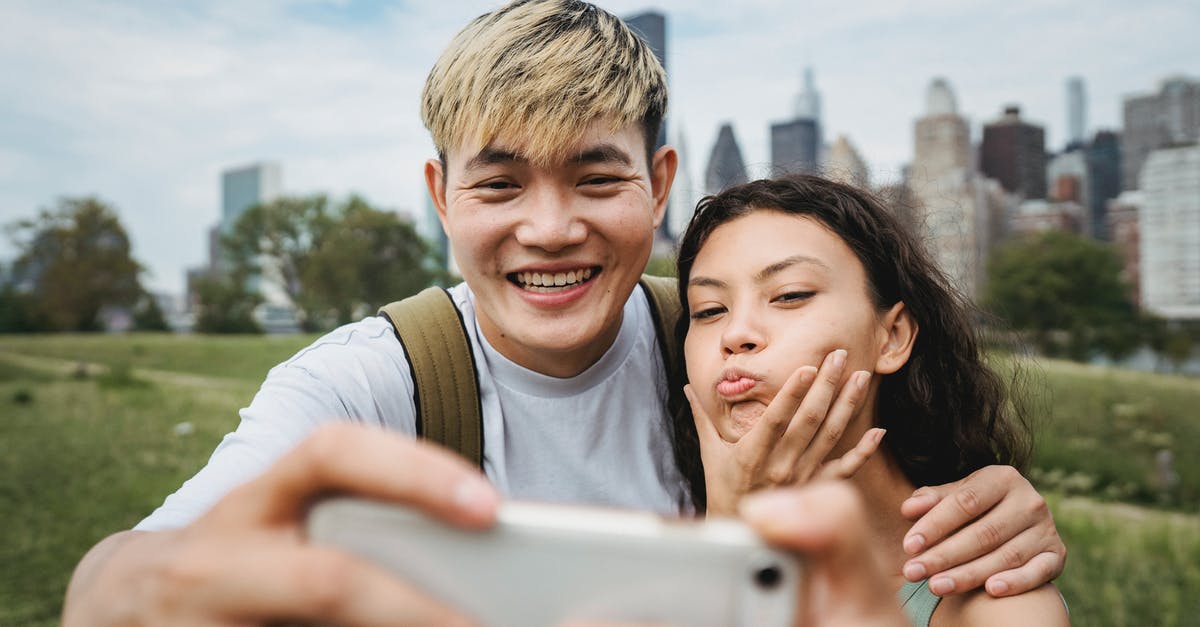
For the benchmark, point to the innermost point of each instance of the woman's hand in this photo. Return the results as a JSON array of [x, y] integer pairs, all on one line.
[[791, 440]]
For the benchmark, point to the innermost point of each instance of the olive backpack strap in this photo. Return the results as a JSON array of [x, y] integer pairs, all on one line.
[[663, 294], [434, 337]]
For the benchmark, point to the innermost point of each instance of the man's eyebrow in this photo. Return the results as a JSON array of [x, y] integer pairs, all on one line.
[[602, 153], [492, 156], [780, 266]]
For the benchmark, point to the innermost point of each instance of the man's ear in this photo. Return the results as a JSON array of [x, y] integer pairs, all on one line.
[[662, 174], [899, 334], [435, 180]]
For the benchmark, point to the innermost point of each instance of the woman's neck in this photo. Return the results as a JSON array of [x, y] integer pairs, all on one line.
[[884, 487]]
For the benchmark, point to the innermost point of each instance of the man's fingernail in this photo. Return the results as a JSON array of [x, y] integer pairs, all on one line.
[[765, 506], [941, 585], [839, 358], [475, 494], [914, 544], [997, 587], [921, 500], [914, 571]]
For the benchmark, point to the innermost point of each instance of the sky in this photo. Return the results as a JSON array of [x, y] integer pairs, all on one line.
[[144, 103]]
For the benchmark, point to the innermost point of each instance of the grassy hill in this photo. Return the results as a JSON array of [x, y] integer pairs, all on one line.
[[86, 451]]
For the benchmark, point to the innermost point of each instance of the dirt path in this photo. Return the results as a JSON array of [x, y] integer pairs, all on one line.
[[68, 367]]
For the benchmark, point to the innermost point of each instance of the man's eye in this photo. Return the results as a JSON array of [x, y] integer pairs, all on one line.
[[497, 185], [709, 312], [601, 180]]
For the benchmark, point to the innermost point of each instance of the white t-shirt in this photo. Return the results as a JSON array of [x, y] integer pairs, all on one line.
[[598, 438]]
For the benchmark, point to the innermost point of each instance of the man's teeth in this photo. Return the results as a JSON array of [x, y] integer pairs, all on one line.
[[548, 281]]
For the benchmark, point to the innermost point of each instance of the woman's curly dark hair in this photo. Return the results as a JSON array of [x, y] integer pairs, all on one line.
[[946, 412]]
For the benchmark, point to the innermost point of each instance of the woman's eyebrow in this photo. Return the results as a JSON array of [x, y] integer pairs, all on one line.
[[780, 266], [704, 281]]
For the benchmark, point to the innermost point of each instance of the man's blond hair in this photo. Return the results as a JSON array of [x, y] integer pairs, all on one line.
[[539, 72]]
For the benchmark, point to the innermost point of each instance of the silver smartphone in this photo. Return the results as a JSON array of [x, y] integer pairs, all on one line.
[[549, 564]]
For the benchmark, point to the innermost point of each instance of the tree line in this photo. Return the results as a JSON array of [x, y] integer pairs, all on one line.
[[334, 261]]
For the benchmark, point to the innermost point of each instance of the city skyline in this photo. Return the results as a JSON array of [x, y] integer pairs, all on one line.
[[145, 104]]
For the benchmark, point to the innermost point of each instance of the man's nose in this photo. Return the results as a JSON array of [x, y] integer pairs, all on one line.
[[550, 222]]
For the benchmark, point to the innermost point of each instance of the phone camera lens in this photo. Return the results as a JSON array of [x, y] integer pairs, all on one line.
[[768, 577]]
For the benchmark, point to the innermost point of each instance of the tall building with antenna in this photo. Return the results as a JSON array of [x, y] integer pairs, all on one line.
[[796, 143]]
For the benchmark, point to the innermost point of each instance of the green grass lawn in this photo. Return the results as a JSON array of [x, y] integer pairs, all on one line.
[[1100, 431], [83, 457]]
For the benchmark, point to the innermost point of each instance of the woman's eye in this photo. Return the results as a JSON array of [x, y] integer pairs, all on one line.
[[709, 312], [793, 297]]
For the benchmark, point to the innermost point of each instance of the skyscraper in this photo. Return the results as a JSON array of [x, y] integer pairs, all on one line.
[[1104, 181], [942, 143], [244, 187], [1076, 111], [794, 147], [652, 27], [796, 143], [846, 165], [683, 192], [1167, 118], [725, 165], [958, 212], [1067, 176], [808, 102], [1169, 228], [1013, 152]]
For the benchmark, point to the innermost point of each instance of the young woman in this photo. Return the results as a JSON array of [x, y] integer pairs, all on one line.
[[781, 276]]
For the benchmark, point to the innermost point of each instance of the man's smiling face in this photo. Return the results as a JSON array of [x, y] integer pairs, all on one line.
[[553, 252]]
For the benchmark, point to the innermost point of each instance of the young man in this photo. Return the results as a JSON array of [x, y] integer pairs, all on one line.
[[543, 114]]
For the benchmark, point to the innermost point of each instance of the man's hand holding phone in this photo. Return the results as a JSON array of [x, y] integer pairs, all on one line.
[[246, 560]]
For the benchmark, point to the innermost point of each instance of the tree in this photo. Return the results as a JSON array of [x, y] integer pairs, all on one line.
[[334, 263], [226, 306], [367, 258], [148, 316], [16, 311], [1065, 291], [74, 261]]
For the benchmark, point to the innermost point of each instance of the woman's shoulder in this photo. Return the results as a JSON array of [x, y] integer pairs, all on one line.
[[1042, 606]]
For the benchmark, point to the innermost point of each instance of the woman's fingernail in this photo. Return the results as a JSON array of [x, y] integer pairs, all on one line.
[[861, 379], [879, 435], [839, 358], [914, 571], [997, 587], [941, 585], [914, 543]]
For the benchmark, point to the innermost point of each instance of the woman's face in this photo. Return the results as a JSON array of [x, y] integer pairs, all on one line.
[[770, 292]]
